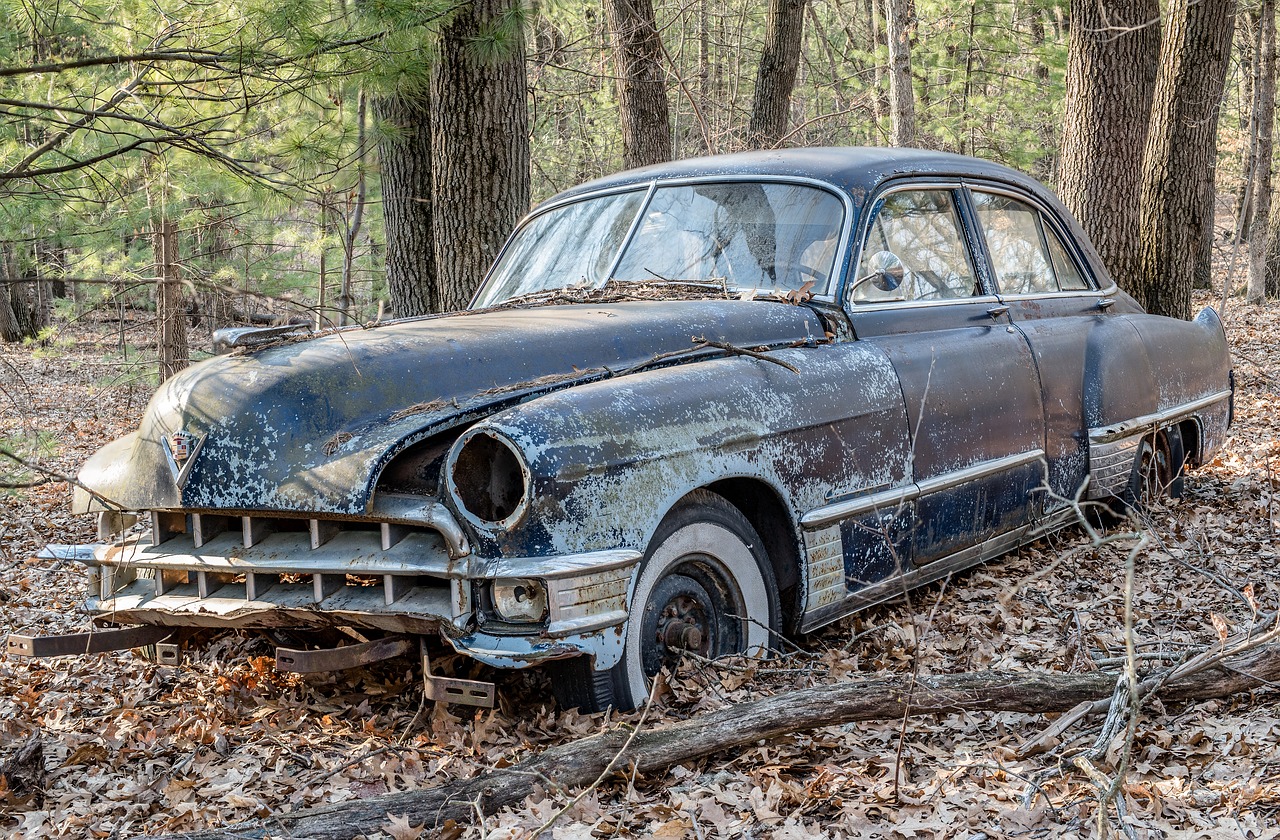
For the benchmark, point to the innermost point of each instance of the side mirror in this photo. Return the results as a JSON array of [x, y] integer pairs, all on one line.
[[887, 271]]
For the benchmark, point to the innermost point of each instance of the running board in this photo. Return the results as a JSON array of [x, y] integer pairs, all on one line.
[[97, 641]]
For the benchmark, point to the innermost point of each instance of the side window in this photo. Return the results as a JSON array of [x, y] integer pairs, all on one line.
[[914, 250], [1069, 277], [1027, 256]]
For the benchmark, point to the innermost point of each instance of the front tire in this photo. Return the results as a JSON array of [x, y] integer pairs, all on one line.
[[705, 586]]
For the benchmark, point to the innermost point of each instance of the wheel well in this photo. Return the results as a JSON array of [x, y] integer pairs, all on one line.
[[1190, 430], [764, 509]]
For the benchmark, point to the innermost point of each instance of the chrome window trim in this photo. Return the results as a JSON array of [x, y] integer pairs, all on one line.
[[828, 514], [652, 185], [1048, 215], [953, 185], [1125, 428]]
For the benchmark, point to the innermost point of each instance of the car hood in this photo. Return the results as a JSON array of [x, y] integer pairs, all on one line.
[[307, 426]]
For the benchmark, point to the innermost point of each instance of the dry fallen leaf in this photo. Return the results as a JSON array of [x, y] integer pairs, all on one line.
[[399, 828]]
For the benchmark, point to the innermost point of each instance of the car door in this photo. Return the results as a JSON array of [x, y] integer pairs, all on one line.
[[970, 386], [1054, 301]]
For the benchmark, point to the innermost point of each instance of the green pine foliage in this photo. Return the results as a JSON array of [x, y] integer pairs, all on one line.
[[239, 119]]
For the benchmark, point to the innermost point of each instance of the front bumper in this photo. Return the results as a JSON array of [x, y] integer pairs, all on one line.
[[309, 574]]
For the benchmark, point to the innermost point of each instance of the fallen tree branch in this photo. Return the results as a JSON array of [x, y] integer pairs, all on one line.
[[581, 762]]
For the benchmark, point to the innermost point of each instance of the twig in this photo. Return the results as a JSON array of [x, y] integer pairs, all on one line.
[[604, 774], [742, 351], [357, 760]]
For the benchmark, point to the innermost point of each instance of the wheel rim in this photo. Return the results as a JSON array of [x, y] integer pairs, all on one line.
[[688, 612], [721, 561]]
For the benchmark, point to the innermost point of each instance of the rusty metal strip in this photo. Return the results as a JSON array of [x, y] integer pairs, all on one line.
[[342, 658], [463, 692], [450, 690], [97, 641], [1148, 422]]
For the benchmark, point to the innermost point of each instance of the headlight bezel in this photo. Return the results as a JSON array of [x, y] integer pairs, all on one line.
[[464, 461]]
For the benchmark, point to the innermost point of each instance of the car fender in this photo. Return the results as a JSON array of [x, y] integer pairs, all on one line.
[[607, 460]]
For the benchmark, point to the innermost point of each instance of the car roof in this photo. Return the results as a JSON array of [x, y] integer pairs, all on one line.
[[857, 170]]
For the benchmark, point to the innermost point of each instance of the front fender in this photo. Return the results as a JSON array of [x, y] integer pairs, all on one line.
[[608, 460]]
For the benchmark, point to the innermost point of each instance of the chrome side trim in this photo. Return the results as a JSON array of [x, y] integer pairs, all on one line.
[[1126, 428], [894, 496], [818, 517], [979, 470]]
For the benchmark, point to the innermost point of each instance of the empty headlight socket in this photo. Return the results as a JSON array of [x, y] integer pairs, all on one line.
[[488, 480]]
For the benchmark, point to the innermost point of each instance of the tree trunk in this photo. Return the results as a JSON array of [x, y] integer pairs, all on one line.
[[355, 220], [902, 107], [23, 313], [580, 763], [1177, 175], [642, 90], [171, 307], [479, 145], [1265, 111], [1250, 55], [875, 39], [776, 75], [10, 328], [1110, 81], [404, 154]]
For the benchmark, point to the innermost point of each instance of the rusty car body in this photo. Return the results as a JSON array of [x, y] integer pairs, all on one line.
[[693, 406]]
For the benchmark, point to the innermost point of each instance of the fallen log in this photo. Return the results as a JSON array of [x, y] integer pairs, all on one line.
[[22, 775], [580, 763]]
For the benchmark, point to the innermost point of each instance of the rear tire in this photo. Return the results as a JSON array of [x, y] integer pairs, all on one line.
[[1157, 471]]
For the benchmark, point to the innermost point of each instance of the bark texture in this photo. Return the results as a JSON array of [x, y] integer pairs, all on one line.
[[171, 307], [580, 763], [1110, 82], [404, 154], [902, 101], [776, 74], [1177, 178], [23, 309], [642, 91], [479, 145], [1264, 106]]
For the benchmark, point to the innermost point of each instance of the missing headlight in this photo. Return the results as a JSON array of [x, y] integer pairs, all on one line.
[[488, 479]]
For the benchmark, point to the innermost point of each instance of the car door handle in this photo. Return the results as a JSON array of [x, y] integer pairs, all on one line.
[[1106, 303], [997, 311]]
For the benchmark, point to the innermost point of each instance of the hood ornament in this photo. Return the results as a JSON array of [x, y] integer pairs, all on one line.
[[181, 449]]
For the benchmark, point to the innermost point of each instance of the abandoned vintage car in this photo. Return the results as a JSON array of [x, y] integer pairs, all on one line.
[[692, 406]]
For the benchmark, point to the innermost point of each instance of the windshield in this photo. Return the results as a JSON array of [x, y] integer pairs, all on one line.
[[761, 236]]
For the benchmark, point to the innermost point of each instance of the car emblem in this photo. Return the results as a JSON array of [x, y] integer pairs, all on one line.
[[181, 448]]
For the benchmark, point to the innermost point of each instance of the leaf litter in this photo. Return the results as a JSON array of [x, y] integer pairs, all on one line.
[[132, 747]]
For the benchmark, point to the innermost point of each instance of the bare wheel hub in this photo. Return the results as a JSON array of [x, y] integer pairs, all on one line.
[[681, 627]]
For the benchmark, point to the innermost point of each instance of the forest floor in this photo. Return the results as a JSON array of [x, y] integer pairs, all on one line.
[[133, 747]]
